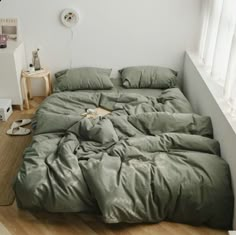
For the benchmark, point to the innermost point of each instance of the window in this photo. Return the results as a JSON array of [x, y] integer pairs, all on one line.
[[218, 45]]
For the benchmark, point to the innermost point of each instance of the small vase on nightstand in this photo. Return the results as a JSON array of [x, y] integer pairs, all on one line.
[[36, 60]]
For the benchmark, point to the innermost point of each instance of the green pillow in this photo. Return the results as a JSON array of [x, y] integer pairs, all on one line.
[[148, 77], [83, 79]]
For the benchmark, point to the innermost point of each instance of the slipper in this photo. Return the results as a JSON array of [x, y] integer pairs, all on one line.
[[20, 122], [18, 131]]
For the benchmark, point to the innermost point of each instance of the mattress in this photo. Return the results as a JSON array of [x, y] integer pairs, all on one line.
[[150, 159]]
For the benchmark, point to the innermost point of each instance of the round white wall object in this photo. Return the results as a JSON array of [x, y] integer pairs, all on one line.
[[69, 17]]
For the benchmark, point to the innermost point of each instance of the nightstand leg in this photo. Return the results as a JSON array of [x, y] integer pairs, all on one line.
[[28, 80], [50, 83], [46, 80], [24, 85]]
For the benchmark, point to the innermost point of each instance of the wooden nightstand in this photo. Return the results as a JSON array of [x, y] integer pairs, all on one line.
[[26, 77]]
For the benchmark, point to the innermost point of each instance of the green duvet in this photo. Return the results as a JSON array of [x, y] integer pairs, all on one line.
[[150, 160]]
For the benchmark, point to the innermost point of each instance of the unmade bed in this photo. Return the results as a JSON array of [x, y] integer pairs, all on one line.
[[150, 159]]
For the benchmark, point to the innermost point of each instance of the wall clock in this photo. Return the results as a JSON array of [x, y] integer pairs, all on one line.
[[69, 17]]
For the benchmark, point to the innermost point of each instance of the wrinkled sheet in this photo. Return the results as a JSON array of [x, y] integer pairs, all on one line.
[[150, 160]]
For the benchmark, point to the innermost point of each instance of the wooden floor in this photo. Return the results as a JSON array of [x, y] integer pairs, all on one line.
[[18, 222], [11, 149]]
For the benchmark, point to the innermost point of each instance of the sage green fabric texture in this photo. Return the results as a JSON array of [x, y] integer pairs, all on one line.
[[82, 79], [150, 160], [148, 77]]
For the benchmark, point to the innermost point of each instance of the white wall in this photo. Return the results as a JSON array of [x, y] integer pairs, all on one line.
[[204, 103], [111, 33]]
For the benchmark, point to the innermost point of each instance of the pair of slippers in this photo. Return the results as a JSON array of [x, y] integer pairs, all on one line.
[[17, 129]]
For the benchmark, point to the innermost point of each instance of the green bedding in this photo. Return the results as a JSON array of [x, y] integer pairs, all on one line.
[[150, 160]]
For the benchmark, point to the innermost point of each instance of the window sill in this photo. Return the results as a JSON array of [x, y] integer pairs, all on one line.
[[215, 89]]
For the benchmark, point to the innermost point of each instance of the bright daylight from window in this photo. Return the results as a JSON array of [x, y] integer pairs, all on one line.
[[218, 46]]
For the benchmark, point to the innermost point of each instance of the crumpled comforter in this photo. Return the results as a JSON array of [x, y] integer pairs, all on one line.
[[150, 160]]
